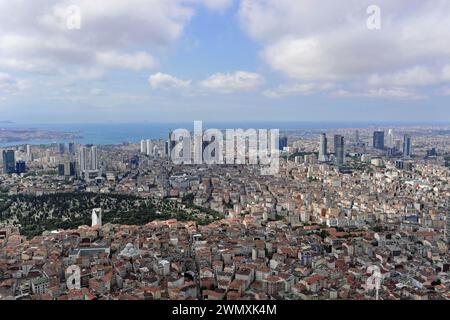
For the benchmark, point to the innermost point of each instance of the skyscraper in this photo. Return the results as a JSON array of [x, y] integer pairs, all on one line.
[[356, 136], [283, 142], [94, 158], [84, 159], [9, 161], [21, 167], [378, 140], [143, 146], [390, 139], [339, 147], [72, 148], [407, 146], [62, 148], [323, 157], [88, 159], [149, 147]]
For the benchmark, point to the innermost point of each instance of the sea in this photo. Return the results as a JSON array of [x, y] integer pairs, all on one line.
[[118, 133]]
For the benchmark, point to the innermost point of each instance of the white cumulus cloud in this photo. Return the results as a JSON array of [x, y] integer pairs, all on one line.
[[165, 81], [233, 82]]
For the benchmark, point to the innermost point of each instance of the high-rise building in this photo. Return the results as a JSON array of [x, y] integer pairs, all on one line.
[[149, 147], [21, 167], [407, 146], [28, 153], [283, 142], [378, 140], [84, 159], [88, 159], [339, 149], [323, 156], [94, 158], [171, 144], [9, 161], [62, 148], [390, 139], [356, 136], [143, 146], [72, 149], [66, 169], [61, 169]]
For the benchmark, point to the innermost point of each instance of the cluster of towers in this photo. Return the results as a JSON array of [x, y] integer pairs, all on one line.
[[339, 149]]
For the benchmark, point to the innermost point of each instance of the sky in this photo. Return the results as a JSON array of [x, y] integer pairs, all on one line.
[[224, 60]]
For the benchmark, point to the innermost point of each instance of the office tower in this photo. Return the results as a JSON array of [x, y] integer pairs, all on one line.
[[339, 147], [62, 148], [83, 159], [171, 144], [61, 169], [323, 157], [66, 169], [72, 148], [21, 167], [88, 159], [390, 139], [149, 147], [283, 142], [143, 147], [28, 153], [407, 146], [166, 148], [9, 161], [356, 136], [398, 145], [70, 170], [94, 158], [378, 140]]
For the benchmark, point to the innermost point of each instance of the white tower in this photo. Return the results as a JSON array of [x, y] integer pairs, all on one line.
[[149, 148], [143, 146], [97, 217]]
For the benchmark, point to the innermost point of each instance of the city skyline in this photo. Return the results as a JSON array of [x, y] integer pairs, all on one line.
[[224, 60]]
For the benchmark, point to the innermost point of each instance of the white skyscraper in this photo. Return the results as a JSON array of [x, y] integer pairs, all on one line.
[[88, 159], [143, 146], [149, 147], [390, 139]]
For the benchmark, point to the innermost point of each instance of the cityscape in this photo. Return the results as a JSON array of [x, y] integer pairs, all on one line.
[[139, 226], [224, 157]]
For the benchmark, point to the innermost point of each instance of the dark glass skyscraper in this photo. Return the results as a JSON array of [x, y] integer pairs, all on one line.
[[21, 167], [378, 140], [9, 161], [407, 146], [283, 142], [339, 148]]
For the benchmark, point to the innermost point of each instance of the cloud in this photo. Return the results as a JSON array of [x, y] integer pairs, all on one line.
[[233, 82], [165, 81], [34, 35], [9, 84], [329, 40], [301, 89], [136, 62], [415, 76], [394, 93]]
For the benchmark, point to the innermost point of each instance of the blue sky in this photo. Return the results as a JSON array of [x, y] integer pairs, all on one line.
[[224, 60]]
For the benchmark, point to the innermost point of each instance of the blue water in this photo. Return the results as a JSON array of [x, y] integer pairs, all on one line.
[[117, 133]]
